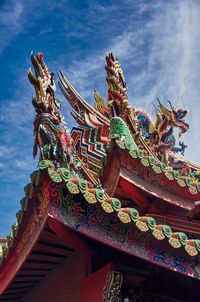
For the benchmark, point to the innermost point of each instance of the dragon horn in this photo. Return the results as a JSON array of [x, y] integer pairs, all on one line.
[[170, 105], [164, 110]]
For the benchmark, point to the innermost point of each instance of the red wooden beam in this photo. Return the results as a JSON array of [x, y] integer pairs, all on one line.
[[133, 193]]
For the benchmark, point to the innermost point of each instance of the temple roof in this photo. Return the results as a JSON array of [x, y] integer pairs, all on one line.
[[115, 178]]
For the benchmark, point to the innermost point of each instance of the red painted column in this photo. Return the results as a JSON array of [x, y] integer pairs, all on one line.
[[92, 287], [103, 285]]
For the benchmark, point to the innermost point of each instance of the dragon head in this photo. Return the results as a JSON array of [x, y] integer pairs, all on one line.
[[43, 82], [179, 120], [176, 117], [51, 135]]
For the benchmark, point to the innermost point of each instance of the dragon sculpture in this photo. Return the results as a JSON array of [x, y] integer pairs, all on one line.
[[159, 135], [51, 135]]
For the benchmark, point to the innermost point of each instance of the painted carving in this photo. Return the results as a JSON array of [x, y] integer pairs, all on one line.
[[51, 135]]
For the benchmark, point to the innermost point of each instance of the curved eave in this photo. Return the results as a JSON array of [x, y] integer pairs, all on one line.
[[67, 200]]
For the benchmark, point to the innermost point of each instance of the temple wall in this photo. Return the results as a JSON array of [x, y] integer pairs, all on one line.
[[61, 284]]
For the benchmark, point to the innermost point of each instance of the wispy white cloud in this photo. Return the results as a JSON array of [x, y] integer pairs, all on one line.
[[5, 151], [10, 22], [11, 12], [89, 74]]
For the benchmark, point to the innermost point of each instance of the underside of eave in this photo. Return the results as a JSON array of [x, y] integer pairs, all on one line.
[[17, 256], [54, 243]]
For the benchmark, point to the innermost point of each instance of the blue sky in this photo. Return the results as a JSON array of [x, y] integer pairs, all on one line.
[[158, 43]]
